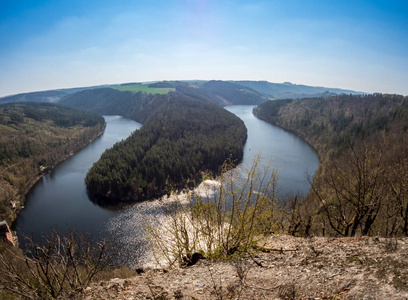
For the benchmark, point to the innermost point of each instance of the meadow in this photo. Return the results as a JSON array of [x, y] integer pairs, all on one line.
[[143, 88]]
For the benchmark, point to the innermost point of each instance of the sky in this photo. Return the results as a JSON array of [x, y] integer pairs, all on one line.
[[52, 44]]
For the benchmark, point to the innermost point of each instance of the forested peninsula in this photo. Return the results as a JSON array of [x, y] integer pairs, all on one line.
[[184, 137], [34, 138], [361, 186]]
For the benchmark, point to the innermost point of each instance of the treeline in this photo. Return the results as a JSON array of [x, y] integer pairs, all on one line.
[[136, 106], [361, 187], [288, 90], [222, 93], [182, 139], [34, 138]]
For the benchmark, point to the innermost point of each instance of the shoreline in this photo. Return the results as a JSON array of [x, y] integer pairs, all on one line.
[[21, 199], [255, 113]]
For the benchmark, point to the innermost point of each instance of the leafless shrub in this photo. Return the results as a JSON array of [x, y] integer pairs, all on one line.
[[63, 266], [242, 268], [350, 191], [221, 222], [287, 291]]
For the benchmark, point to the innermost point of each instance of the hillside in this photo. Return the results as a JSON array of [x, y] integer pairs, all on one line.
[[136, 106], [288, 90], [34, 138], [51, 96], [223, 93], [220, 92], [361, 186]]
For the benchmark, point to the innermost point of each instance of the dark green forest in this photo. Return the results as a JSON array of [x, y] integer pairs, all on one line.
[[34, 138], [184, 135], [361, 187], [182, 139]]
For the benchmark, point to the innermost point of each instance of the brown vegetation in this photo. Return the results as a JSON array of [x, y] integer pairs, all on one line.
[[361, 185], [33, 139], [63, 266], [222, 222]]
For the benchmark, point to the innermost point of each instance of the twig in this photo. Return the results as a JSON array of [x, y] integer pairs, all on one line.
[[268, 250], [258, 263]]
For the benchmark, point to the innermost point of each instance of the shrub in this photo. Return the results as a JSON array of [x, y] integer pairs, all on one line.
[[221, 220], [61, 267]]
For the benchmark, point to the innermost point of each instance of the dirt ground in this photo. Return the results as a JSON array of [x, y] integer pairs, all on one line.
[[293, 268]]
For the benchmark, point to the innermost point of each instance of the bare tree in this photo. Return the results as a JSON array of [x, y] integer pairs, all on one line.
[[398, 184], [62, 266], [350, 190]]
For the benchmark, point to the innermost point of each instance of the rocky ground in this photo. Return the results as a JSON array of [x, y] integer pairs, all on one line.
[[288, 268]]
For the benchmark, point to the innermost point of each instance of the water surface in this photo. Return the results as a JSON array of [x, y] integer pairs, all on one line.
[[289, 154], [59, 199]]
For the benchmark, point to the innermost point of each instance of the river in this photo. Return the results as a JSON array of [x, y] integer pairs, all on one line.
[[60, 201], [287, 153]]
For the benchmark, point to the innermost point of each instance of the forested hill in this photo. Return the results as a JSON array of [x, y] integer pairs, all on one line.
[[137, 106], [131, 104], [220, 92], [182, 139], [51, 96], [34, 138], [361, 186], [223, 93], [329, 123], [288, 90]]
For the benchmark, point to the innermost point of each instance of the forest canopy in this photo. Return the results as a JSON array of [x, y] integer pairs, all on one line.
[[181, 139]]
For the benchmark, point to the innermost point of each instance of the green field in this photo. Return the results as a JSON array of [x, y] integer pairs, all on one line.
[[143, 88]]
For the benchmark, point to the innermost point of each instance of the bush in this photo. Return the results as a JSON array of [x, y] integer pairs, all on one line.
[[221, 221], [64, 265]]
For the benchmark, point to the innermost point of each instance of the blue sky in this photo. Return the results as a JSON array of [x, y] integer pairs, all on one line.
[[360, 45]]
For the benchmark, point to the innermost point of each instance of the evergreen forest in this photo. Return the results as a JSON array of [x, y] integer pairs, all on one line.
[[181, 141], [185, 134]]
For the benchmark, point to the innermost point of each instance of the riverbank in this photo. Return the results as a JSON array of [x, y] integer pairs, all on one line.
[[255, 112], [19, 200], [288, 268]]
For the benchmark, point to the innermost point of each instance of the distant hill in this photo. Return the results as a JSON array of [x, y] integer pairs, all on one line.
[[136, 106], [223, 93], [220, 92], [132, 104], [51, 96], [45, 96], [288, 90]]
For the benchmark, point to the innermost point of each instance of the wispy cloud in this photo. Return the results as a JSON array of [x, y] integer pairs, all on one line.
[[358, 46]]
